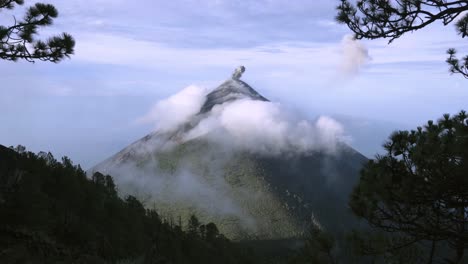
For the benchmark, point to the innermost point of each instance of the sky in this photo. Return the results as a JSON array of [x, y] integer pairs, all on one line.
[[130, 55]]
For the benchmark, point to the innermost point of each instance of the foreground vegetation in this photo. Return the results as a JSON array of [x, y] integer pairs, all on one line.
[[50, 212]]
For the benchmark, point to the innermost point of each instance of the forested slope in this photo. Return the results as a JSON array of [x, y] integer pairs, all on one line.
[[50, 212]]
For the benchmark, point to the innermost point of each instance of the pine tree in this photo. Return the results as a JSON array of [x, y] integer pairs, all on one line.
[[212, 232], [18, 41], [193, 226], [417, 193]]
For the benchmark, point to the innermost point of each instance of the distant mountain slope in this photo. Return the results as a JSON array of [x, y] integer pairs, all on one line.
[[248, 194]]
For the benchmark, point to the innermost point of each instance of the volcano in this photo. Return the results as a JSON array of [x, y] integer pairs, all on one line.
[[248, 194]]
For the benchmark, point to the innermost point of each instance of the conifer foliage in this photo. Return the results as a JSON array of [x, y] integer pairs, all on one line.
[[18, 41], [417, 193], [50, 212]]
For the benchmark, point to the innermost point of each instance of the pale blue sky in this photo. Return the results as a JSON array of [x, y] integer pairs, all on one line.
[[131, 54]]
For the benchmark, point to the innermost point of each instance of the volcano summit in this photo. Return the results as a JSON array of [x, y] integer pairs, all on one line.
[[236, 159]]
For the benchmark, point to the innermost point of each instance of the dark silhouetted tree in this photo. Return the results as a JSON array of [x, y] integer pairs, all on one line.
[[319, 248], [110, 186], [18, 41], [193, 225], [98, 178], [417, 192], [211, 232], [373, 19]]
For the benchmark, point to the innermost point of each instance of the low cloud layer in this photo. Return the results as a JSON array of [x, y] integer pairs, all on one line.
[[169, 113], [245, 124], [266, 128]]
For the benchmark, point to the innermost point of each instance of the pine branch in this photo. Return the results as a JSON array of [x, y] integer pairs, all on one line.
[[375, 19], [9, 4], [18, 41], [457, 65]]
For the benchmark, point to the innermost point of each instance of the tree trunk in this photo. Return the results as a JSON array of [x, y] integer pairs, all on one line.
[[460, 252], [460, 249], [431, 255]]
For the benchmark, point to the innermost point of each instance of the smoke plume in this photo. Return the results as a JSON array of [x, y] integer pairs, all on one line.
[[355, 55]]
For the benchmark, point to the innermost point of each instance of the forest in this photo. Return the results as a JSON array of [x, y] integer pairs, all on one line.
[[50, 212]]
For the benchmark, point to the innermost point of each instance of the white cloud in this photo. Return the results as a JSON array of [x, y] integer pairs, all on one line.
[[257, 126], [330, 130], [117, 50], [293, 59], [169, 113]]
